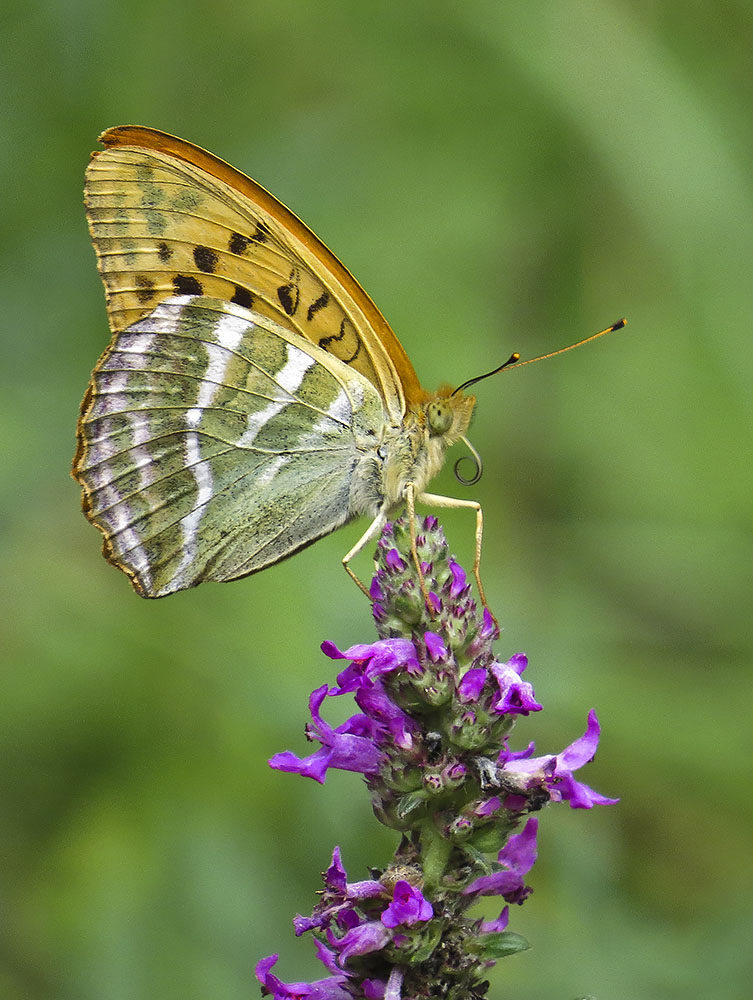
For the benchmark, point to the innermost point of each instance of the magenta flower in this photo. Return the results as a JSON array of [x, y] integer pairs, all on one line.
[[518, 857], [331, 988], [408, 906], [372, 660], [335, 878], [495, 926], [362, 940], [350, 747], [516, 696], [435, 646], [472, 684], [556, 771], [393, 561]]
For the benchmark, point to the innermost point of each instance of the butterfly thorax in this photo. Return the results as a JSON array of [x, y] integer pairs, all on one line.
[[412, 452]]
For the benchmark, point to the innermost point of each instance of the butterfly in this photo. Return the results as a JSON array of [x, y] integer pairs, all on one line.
[[253, 398]]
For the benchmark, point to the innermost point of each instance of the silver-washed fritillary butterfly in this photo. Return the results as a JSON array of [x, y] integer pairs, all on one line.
[[253, 398]]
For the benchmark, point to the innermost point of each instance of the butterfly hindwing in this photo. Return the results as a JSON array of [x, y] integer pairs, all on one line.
[[213, 442]]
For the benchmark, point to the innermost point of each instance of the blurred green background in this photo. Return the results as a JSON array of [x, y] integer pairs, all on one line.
[[499, 177]]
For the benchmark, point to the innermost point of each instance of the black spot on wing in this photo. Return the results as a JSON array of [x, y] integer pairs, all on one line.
[[186, 284], [164, 252], [261, 233], [144, 288], [243, 297], [206, 259], [289, 296], [320, 303], [337, 338], [238, 243]]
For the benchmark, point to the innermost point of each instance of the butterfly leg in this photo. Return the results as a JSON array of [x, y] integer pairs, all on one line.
[[433, 500], [410, 505], [369, 535]]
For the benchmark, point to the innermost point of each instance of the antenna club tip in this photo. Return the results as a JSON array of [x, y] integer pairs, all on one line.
[[619, 324]]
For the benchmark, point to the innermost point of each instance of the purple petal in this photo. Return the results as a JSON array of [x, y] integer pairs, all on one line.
[[516, 696], [335, 876], [435, 647], [371, 660], [362, 940], [489, 807], [394, 989], [408, 906], [494, 926], [583, 750], [518, 855], [328, 958], [323, 989], [489, 629], [377, 705], [520, 851], [373, 989], [472, 684], [458, 578]]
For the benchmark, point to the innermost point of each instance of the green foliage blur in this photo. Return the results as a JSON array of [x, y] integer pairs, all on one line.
[[499, 176]]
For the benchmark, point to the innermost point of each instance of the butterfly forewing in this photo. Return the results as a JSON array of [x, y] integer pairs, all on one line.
[[170, 219], [213, 442]]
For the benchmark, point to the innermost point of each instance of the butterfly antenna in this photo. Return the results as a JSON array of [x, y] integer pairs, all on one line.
[[478, 465], [514, 360], [586, 340]]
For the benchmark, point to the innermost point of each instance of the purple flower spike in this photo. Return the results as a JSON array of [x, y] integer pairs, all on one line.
[[408, 906], [516, 696], [436, 710], [518, 855]]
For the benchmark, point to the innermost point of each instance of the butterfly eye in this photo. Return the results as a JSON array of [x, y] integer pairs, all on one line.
[[439, 416]]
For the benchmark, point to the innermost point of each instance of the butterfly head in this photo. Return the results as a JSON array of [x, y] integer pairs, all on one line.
[[448, 414]]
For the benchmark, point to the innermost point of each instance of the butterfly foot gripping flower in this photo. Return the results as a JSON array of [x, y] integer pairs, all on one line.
[[431, 737]]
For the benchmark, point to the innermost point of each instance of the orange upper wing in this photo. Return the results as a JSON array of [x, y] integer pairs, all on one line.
[[168, 218]]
